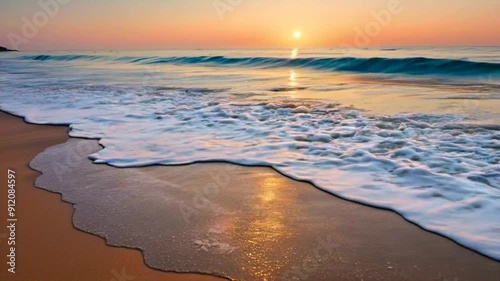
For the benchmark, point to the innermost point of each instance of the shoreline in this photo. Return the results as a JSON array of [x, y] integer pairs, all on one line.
[[410, 228], [49, 248], [381, 208]]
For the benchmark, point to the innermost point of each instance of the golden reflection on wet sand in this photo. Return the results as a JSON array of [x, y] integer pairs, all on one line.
[[267, 238]]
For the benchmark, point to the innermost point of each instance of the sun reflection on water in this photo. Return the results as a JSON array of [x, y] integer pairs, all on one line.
[[292, 80]]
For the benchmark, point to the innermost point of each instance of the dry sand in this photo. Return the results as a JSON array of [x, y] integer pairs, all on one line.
[[373, 244]]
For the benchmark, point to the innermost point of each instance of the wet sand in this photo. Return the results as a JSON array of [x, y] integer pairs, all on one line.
[[48, 247], [275, 222]]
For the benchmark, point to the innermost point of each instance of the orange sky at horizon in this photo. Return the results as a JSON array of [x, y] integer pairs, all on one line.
[[134, 24]]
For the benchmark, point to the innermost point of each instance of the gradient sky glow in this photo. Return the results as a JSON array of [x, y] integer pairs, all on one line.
[[139, 24]]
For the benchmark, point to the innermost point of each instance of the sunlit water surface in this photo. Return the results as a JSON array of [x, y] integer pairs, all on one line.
[[413, 130]]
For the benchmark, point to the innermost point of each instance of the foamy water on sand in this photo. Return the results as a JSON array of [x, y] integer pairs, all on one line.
[[408, 130]]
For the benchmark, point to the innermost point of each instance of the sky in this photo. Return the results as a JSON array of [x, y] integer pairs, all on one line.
[[156, 24]]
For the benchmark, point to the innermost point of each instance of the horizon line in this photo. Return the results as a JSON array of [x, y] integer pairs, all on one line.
[[259, 48]]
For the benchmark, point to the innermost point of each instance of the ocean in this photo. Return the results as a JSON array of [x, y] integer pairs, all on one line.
[[413, 130]]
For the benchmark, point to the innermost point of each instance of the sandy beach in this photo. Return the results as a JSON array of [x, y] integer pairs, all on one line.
[[369, 244], [48, 247]]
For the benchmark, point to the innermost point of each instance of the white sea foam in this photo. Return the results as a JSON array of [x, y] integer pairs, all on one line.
[[433, 169]]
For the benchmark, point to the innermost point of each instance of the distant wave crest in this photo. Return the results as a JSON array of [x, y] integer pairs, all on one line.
[[411, 66]]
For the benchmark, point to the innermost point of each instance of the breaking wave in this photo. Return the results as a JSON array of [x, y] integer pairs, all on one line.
[[409, 66]]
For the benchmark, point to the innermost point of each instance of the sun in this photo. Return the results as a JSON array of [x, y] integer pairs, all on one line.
[[297, 34]]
